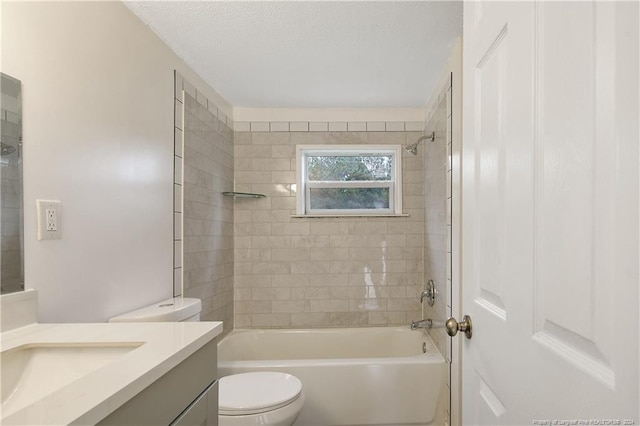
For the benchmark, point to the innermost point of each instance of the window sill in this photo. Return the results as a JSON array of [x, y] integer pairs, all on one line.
[[314, 216]]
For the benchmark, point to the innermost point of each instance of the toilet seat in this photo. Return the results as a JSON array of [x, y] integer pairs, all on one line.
[[257, 392]]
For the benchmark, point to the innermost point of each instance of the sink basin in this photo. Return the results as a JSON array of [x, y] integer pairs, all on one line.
[[31, 372]]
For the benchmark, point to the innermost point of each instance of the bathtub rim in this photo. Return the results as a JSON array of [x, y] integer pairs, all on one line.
[[432, 355]]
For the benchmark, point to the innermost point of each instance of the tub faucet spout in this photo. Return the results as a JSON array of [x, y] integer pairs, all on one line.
[[425, 323]]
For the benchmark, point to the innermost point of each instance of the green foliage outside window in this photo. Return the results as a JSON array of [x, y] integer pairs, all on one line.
[[349, 198], [349, 168]]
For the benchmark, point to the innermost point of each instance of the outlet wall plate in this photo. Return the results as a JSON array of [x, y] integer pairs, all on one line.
[[48, 219]]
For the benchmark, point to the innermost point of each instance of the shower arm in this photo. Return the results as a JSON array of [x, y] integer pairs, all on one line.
[[413, 148]]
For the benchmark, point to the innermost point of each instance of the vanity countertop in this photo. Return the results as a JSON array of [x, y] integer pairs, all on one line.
[[159, 347]]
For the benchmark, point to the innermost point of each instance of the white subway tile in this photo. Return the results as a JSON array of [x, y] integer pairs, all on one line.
[[213, 109], [279, 126], [177, 281], [394, 126], [337, 126], [308, 319], [310, 241], [375, 126], [283, 151], [177, 139], [271, 320], [299, 126], [290, 281], [177, 169], [329, 305], [318, 126], [290, 229], [259, 126], [177, 254], [278, 293], [177, 198], [356, 126], [202, 99], [242, 321], [177, 226], [281, 306], [413, 126], [242, 126], [178, 86], [189, 88], [178, 120]]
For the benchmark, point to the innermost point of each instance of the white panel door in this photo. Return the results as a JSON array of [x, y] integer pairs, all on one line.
[[550, 212]]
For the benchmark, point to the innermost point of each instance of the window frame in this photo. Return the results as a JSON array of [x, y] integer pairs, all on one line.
[[303, 187]]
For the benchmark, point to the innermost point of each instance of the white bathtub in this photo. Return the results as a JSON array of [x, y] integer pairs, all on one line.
[[353, 376]]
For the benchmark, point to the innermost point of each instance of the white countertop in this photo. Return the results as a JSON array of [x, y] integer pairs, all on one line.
[[94, 396]]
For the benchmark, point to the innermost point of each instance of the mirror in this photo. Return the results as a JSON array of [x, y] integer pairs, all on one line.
[[11, 214]]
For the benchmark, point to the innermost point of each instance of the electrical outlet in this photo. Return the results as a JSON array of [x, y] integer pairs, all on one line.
[[48, 219], [52, 224]]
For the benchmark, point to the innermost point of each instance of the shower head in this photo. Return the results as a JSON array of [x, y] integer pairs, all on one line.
[[413, 148]]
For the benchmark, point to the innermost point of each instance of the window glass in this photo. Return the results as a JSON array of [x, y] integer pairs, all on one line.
[[349, 180], [349, 198], [348, 168]]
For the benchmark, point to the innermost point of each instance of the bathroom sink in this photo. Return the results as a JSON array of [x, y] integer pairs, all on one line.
[[33, 371]]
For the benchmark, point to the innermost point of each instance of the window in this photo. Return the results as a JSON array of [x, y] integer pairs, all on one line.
[[349, 180]]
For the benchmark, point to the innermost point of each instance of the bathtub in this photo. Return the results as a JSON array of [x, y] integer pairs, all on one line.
[[353, 376]]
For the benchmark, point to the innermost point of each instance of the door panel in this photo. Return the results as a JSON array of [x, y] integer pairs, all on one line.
[[496, 146], [492, 103], [572, 242], [550, 211]]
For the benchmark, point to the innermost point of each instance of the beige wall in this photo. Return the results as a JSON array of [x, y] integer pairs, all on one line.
[[319, 272], [98, 136]]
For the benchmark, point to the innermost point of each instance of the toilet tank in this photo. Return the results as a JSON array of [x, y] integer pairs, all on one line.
[[171, 310]]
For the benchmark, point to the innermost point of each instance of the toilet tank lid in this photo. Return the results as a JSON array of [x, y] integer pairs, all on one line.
[[170, 310]]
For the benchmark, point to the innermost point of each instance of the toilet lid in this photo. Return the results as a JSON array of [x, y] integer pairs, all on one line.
[[257, 392]]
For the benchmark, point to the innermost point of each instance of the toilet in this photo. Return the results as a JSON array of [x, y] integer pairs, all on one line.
[[259, 398], [177, 309], [264, 398]]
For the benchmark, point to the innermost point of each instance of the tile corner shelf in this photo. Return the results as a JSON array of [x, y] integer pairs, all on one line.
[[243, 194]]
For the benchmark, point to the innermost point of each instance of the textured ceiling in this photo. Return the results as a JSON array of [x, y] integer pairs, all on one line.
[[325, 54]]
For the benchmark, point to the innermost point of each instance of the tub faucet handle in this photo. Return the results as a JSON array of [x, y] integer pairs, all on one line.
[[429, 293]]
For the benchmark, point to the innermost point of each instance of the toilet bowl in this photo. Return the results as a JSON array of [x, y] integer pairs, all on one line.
[[259, 398], [262, 398]]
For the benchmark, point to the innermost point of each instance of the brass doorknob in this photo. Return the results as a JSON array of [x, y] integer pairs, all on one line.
[[454, 326]]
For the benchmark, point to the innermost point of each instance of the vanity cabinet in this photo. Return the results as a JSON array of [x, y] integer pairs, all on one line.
[[203, 411], [187, 395]]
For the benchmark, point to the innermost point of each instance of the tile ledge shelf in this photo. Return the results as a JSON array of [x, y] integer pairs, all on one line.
[[316, 216], [243, 194]]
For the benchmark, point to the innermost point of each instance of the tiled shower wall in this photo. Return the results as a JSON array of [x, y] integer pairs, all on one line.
[[204, 217], [12, 270], [437, 231], [321, 272]]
